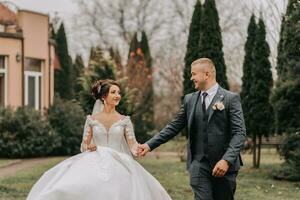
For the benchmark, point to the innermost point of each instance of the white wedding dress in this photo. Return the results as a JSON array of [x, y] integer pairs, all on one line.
[[109, 173]]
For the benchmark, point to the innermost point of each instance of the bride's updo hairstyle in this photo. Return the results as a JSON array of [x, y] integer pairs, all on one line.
[[101, 88]]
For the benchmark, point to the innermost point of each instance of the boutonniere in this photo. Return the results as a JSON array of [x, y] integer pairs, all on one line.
[[218, 106]]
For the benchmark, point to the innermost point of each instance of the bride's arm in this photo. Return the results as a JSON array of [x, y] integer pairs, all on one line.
[[86, 141], [130, 138], [87, 138]]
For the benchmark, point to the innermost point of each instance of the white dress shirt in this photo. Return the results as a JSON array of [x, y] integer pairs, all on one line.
[[211, 92]]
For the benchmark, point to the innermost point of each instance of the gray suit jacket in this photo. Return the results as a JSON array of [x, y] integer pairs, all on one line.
[[226, 128]]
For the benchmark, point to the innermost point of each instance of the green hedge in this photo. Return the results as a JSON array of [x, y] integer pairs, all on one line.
[[290, 151], [25, 133], [67, 119]]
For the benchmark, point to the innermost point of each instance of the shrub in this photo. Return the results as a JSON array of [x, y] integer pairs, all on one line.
[[291, 152], [25, 133], [67, 119]]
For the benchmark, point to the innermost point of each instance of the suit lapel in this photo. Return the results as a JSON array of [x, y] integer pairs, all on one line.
[[218, 97], [193, 102]]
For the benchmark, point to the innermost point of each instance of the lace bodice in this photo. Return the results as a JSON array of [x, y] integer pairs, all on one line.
[[119, 137]]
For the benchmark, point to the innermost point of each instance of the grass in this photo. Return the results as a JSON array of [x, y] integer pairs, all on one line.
[[252, 183], [5, 162], [171, 174], [258, 183], [17, 187]]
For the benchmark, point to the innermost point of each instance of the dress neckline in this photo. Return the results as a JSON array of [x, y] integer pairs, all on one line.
[[113, 124]]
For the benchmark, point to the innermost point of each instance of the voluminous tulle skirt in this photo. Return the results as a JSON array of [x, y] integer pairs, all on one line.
[[104, 174]]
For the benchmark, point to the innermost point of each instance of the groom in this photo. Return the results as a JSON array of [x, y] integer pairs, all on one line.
[[216, 133]]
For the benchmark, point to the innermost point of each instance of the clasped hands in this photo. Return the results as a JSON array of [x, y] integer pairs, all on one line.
[[142, 149]]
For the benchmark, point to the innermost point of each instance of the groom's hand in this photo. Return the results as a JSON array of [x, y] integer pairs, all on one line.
[[143, 149], [220, 168]]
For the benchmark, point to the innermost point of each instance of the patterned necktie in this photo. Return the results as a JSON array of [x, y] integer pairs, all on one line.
[[204, 95]]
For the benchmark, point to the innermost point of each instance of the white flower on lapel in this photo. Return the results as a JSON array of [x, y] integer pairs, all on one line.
[[218, 106]]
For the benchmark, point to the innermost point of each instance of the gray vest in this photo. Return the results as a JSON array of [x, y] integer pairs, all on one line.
[[199, 137]]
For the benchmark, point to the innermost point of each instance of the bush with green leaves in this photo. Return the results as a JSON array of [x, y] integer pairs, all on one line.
[[286, 94], [291, 152], [67, 119], [24, 132]]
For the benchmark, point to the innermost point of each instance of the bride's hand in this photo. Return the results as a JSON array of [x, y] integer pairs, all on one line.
[[92, 147]]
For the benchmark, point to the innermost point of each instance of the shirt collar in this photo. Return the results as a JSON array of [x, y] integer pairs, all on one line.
[[212, 90]]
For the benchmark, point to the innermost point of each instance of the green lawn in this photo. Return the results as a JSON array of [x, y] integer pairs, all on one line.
[[252, 184], [5, 162], [258, 183], [17, 187]]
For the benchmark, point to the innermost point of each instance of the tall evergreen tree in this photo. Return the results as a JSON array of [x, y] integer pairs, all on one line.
[[139, 42], [134, 45], [280, 50], [63, 84], [144, 45], [287, 47], [192, 48], [210, 42], [116, 57], [249, 64], [78, 67], [139, 73], [261, 109], [149, 99], [287, 93]]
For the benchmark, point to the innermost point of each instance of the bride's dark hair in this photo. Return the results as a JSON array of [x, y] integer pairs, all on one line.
[[101, 88]]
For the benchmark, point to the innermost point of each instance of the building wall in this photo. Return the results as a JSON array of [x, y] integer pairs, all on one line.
[[35, 28], [35, 31], [51, 82], [11, 47]]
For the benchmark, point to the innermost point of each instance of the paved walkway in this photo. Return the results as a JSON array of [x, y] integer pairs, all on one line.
[[13, 168], [23, 164]]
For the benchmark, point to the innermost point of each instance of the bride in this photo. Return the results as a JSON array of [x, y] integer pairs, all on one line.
[[105, 170]]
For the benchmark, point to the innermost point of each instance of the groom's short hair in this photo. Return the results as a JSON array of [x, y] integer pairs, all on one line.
[[207, 61]]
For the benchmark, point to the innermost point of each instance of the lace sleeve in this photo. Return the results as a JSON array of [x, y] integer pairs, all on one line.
[[130, 138], [87, 135]]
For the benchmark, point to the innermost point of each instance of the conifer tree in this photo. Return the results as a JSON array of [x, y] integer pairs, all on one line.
[[192, 48], [210, 43], [139, 73], [248, 65], [63, 85], [261, 111]]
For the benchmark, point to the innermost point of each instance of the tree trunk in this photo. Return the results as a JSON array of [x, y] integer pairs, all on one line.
[[259, 151], [254, 150]]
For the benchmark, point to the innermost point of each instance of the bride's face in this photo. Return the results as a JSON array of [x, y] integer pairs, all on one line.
[[113, 97]]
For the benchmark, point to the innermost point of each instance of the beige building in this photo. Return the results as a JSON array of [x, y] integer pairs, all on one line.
[[26, 59]]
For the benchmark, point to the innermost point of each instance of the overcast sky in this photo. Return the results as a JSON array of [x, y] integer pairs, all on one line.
[[66, 9], [46, 6]]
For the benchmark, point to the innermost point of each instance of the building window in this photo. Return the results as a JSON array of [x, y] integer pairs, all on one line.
[[2, 28], [3, 80], [33, 83]]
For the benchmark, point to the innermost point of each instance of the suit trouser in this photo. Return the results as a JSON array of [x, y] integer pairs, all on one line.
[[207, 187]]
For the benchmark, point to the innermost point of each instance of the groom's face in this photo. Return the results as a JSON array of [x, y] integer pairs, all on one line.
[[199, 76]]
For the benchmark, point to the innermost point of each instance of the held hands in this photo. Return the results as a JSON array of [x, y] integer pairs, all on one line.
[[92, 147], [220, 168], [143, 149]]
